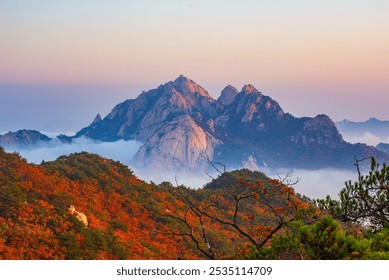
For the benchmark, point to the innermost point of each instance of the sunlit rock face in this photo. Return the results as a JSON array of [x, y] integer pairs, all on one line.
[[180, 145]]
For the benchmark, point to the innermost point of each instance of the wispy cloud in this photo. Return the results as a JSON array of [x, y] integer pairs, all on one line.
[[120, 150], [367, 138]]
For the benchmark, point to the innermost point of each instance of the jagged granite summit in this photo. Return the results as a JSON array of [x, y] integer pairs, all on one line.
[[182, 127], [174, 121]]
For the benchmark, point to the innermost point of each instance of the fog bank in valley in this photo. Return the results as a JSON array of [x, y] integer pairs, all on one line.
[[120, 150], [367, 138], [323, 182], [313, 183]]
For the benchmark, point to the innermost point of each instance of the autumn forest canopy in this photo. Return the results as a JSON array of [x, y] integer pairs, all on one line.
[[238, 215]]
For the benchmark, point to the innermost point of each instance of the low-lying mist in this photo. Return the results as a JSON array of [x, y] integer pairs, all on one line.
[[313, 183], [319, 183], [120, 150], [367, 138], [194, 181]]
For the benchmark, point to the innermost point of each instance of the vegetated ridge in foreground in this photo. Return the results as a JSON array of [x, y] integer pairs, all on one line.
[[242, 214]]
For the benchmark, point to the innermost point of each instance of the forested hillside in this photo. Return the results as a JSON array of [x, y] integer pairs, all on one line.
[[239, 215], [34, 223]]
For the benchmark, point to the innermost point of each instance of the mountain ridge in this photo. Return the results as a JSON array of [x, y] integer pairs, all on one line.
[[373, 126], [182, 128], [237, 125], [23, 138]]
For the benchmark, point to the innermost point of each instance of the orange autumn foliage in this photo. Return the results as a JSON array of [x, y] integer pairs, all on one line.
[[127, 217]]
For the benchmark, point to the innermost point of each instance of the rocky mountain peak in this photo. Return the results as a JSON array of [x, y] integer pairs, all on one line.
[[185, 85], [227, 95], [249, 89], [97, 119]]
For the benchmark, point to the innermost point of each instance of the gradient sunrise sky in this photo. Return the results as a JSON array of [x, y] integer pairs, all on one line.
[[327, 56]]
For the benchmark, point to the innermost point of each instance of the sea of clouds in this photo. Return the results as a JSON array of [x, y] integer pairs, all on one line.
[[312, 183]]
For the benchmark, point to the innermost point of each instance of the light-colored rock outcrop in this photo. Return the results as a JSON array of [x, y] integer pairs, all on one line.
[[80, 216], [180, 145]]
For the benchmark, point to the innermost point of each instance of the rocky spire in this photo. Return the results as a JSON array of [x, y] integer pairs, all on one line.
[[249, 89], [97, 119], [227, 95]]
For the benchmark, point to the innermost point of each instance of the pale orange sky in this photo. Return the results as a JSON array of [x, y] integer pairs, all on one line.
[[322, 53]]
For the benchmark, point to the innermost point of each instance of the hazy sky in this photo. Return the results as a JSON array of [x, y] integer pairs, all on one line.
[[322, 56]]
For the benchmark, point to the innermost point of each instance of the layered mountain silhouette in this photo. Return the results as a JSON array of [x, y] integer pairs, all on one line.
[[30, 139], [373, 126], [23, 138], [183, 127]]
